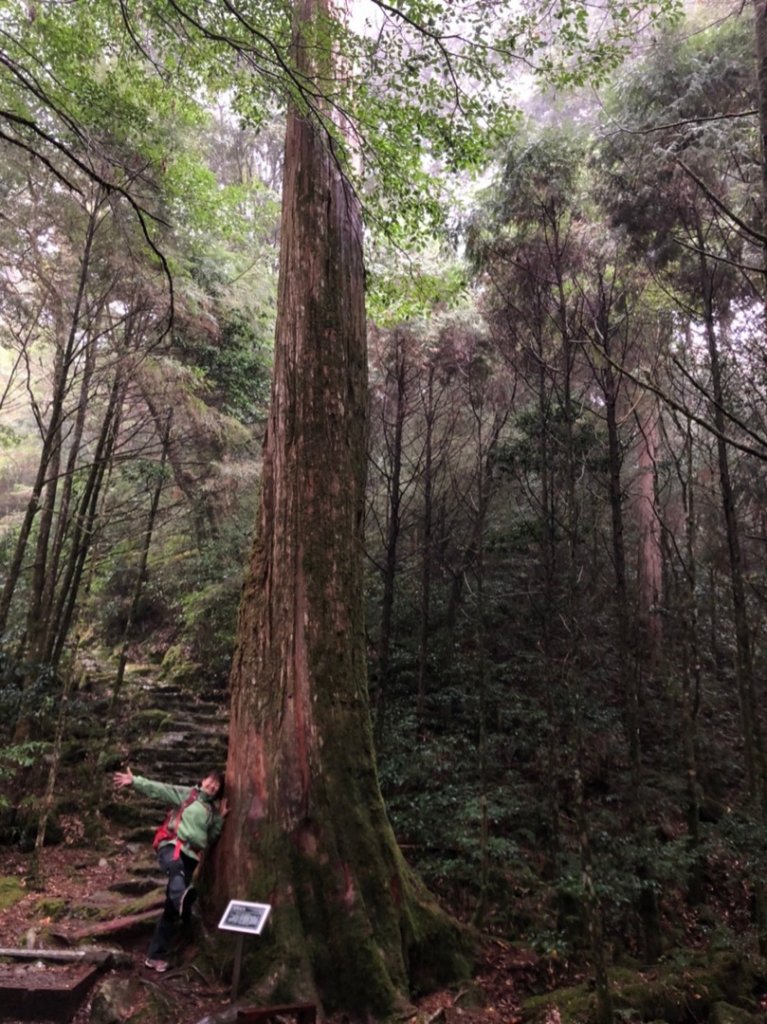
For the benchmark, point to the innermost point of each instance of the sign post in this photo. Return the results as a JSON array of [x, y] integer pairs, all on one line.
[[245, 919]]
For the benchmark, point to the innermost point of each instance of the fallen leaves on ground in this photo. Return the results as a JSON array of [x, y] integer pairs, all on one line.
[[73, 874]]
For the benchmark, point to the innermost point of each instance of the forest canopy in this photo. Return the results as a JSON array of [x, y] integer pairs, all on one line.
[[552, 409]]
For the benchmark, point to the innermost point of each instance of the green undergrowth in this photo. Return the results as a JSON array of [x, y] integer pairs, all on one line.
[[11, 891], [53, 907], [722, 987]]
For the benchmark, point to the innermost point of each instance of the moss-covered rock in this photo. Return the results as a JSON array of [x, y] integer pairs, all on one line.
[[666, 996], [146, 901], [114, 1001], [53, 907], [157, 1007], [574, 1005], [724, 1013], [177, 667], [673, 992]]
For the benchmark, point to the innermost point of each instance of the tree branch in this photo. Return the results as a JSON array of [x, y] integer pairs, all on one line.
[[759, 453], [669, 126], [717, 202]]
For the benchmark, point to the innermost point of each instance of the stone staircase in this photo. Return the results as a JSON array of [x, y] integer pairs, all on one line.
[[187, 738], [166, 734]]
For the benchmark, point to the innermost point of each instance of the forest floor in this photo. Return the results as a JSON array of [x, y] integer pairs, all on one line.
[[74, 876]]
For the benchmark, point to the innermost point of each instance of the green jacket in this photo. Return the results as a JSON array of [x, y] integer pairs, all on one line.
[[200, 823]]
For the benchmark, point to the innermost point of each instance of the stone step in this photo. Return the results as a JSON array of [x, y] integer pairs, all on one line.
[[175, 696], [178, 771], [182, 712], [210, 721], [191, 752], [173, 737], [147, 869], [184, 742], [135, 886]]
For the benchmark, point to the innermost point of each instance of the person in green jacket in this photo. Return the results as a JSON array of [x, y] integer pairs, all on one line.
[[193, 825]]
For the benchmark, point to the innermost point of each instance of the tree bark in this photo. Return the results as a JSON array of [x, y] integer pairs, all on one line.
[[650, 576], [625, 642], [592, 909], [426, 542], [393, 436], [760, 32], [308, 831], [744, 655], [691, 670], [744, 662]]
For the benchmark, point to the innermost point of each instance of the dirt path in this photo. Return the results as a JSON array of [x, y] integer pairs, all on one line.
[[120, 878], [77, 879]]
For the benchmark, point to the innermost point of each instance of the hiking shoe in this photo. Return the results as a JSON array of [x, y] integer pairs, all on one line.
[[188, 896], [161, 966]]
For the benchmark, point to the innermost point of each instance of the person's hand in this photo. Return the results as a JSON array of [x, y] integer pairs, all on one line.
[[121, 779], [223, 808]]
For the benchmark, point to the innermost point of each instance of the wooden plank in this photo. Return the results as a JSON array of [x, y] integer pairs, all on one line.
[[40, 993]]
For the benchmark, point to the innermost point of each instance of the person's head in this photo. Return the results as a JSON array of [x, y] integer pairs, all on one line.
[[213, 784]]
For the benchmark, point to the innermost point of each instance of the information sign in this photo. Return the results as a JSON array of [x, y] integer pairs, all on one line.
[[240, 916]]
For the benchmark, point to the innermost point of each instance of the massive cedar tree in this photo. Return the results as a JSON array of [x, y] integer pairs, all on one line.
[[308, 830]]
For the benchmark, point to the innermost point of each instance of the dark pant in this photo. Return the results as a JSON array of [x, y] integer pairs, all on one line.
[[179, 871]]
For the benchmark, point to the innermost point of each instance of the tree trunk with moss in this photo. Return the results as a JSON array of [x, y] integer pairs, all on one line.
[[760, 38], [308, 830]]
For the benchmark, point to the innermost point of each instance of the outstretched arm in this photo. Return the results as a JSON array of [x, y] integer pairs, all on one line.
[[174, 795]]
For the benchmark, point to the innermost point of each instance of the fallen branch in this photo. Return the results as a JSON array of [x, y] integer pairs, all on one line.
[[116, 924], [95, 956]]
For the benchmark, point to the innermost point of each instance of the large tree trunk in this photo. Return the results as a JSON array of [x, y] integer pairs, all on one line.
[[308, 831]]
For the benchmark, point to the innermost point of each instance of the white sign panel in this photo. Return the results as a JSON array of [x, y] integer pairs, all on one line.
[[240, 916]]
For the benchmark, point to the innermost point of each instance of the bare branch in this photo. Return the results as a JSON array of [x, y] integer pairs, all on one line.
[[671, 125], [759, 453], [717, 202]]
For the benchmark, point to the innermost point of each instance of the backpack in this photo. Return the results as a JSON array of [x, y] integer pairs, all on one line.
[[168, 831]]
